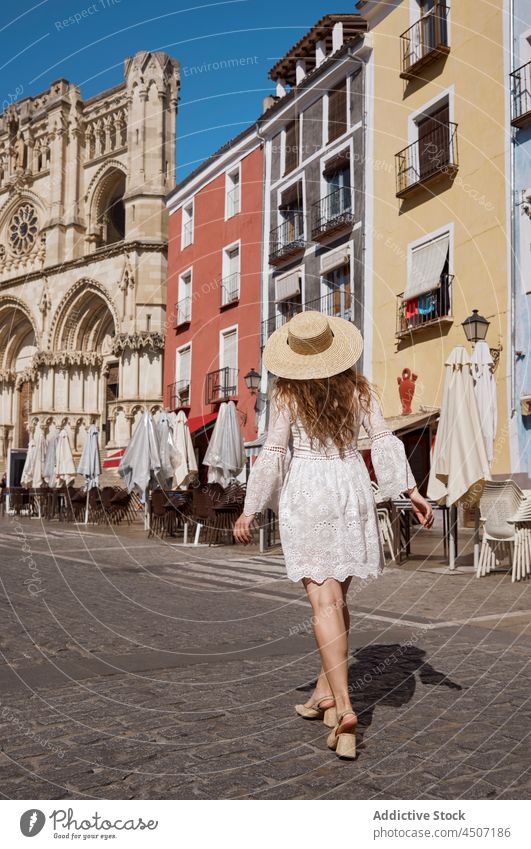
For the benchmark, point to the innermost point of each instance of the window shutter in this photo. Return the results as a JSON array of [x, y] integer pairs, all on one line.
[[230, 350], [337, 111], [292, 146]]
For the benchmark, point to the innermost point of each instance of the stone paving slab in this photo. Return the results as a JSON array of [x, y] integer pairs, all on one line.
[[150, 671]]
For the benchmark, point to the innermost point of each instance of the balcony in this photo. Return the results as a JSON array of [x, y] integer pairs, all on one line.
[[183, 312], [337, 302], [332, 213], [230, 289], [429, 309], [221, 385], [430, 158], [179, 394], [425, 41], [521, 96], [287, 241]]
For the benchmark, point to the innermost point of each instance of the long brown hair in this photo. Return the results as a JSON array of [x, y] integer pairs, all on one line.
[[327, 407]]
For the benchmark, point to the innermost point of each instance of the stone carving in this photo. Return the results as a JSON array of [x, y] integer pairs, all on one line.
[[137, 341]]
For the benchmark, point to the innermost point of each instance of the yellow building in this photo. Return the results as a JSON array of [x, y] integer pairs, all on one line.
[[437, 244]]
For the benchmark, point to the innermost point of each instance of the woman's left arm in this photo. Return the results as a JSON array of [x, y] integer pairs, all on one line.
[[391, 465]]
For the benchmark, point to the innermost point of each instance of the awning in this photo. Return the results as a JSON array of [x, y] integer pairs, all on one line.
[[113, 460], [400, 425], [427, 263], [288, 286], [335, 258], [198, 422]]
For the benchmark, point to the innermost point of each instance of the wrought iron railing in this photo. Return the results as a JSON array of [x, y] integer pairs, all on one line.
[[337, 302], [332, 212], [521, 96], [288, 238], [179, 392], [434, 153], [220, 385], [183, 311], [230, 288], [428, 308], [425, 40]]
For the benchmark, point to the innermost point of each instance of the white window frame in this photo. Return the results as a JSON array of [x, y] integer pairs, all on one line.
[[178, 378], [427, 108], [284, 188], [224, 270], [229, 173], [331, 153], [180, 286], [225, 332], [185, 207], [283, 149]]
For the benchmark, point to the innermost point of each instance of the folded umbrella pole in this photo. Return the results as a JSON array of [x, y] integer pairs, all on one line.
[[90, 464]]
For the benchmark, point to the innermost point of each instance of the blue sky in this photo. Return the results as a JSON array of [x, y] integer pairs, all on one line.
[[40, 44]]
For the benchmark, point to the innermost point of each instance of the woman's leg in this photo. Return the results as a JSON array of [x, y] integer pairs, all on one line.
[[322, 687], [330, 627]]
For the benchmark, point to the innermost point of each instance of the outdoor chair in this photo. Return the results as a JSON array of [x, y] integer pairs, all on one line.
[[226, 512], [159, 524], [123, 506], [505, 517], [204, 500]]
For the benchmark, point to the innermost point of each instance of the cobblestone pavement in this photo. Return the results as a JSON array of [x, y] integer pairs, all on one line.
[[135, 668]]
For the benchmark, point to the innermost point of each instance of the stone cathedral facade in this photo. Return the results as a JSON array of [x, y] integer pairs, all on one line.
[[83, 254]]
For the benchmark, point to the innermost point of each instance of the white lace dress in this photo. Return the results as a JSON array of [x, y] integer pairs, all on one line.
[[325, 502]]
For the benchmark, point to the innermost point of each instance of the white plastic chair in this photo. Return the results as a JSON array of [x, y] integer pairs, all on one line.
[[504, 513]]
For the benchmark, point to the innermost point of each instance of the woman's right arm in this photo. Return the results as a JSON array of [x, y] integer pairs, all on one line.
[[267, 475]]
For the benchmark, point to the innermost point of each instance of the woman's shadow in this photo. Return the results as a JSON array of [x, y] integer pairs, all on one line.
[[387, 675]]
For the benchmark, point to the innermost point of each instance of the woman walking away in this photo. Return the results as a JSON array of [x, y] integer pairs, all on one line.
[[323, 496]]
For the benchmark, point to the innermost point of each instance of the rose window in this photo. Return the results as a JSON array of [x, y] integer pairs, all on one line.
[[23, 229]]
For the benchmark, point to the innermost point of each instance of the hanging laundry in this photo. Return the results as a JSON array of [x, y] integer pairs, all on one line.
[[427, 303], [412, 307]]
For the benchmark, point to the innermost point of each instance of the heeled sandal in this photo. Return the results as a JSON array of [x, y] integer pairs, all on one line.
[[343, 738], [318, 711]]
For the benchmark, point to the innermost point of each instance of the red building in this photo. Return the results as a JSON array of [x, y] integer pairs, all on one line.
[[213, 287]]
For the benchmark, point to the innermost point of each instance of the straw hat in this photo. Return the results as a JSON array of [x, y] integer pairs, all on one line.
[[312, 345]]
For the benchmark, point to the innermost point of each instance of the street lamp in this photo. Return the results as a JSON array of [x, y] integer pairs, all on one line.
[[252, 381], [475, 327]]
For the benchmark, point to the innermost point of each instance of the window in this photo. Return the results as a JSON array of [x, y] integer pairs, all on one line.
[[187, 235], [184, 303], [232, 193], [290, 209], [228, 355], [288, 296], [427, 297], [230, 282], [337, 178], [183, 371], [337, 111], [434, 140], [338, 294], [291, 146]]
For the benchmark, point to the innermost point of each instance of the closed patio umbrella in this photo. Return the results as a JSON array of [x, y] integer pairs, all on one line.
[[27, 472], [166, 449], [459, 464], [65, 470], [90, 463], [185, 468], [140, 463], [226, 453], [37, 476], [51, 456], [485, 392]]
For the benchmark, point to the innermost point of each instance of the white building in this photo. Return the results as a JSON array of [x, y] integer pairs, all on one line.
[[83, 254]]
